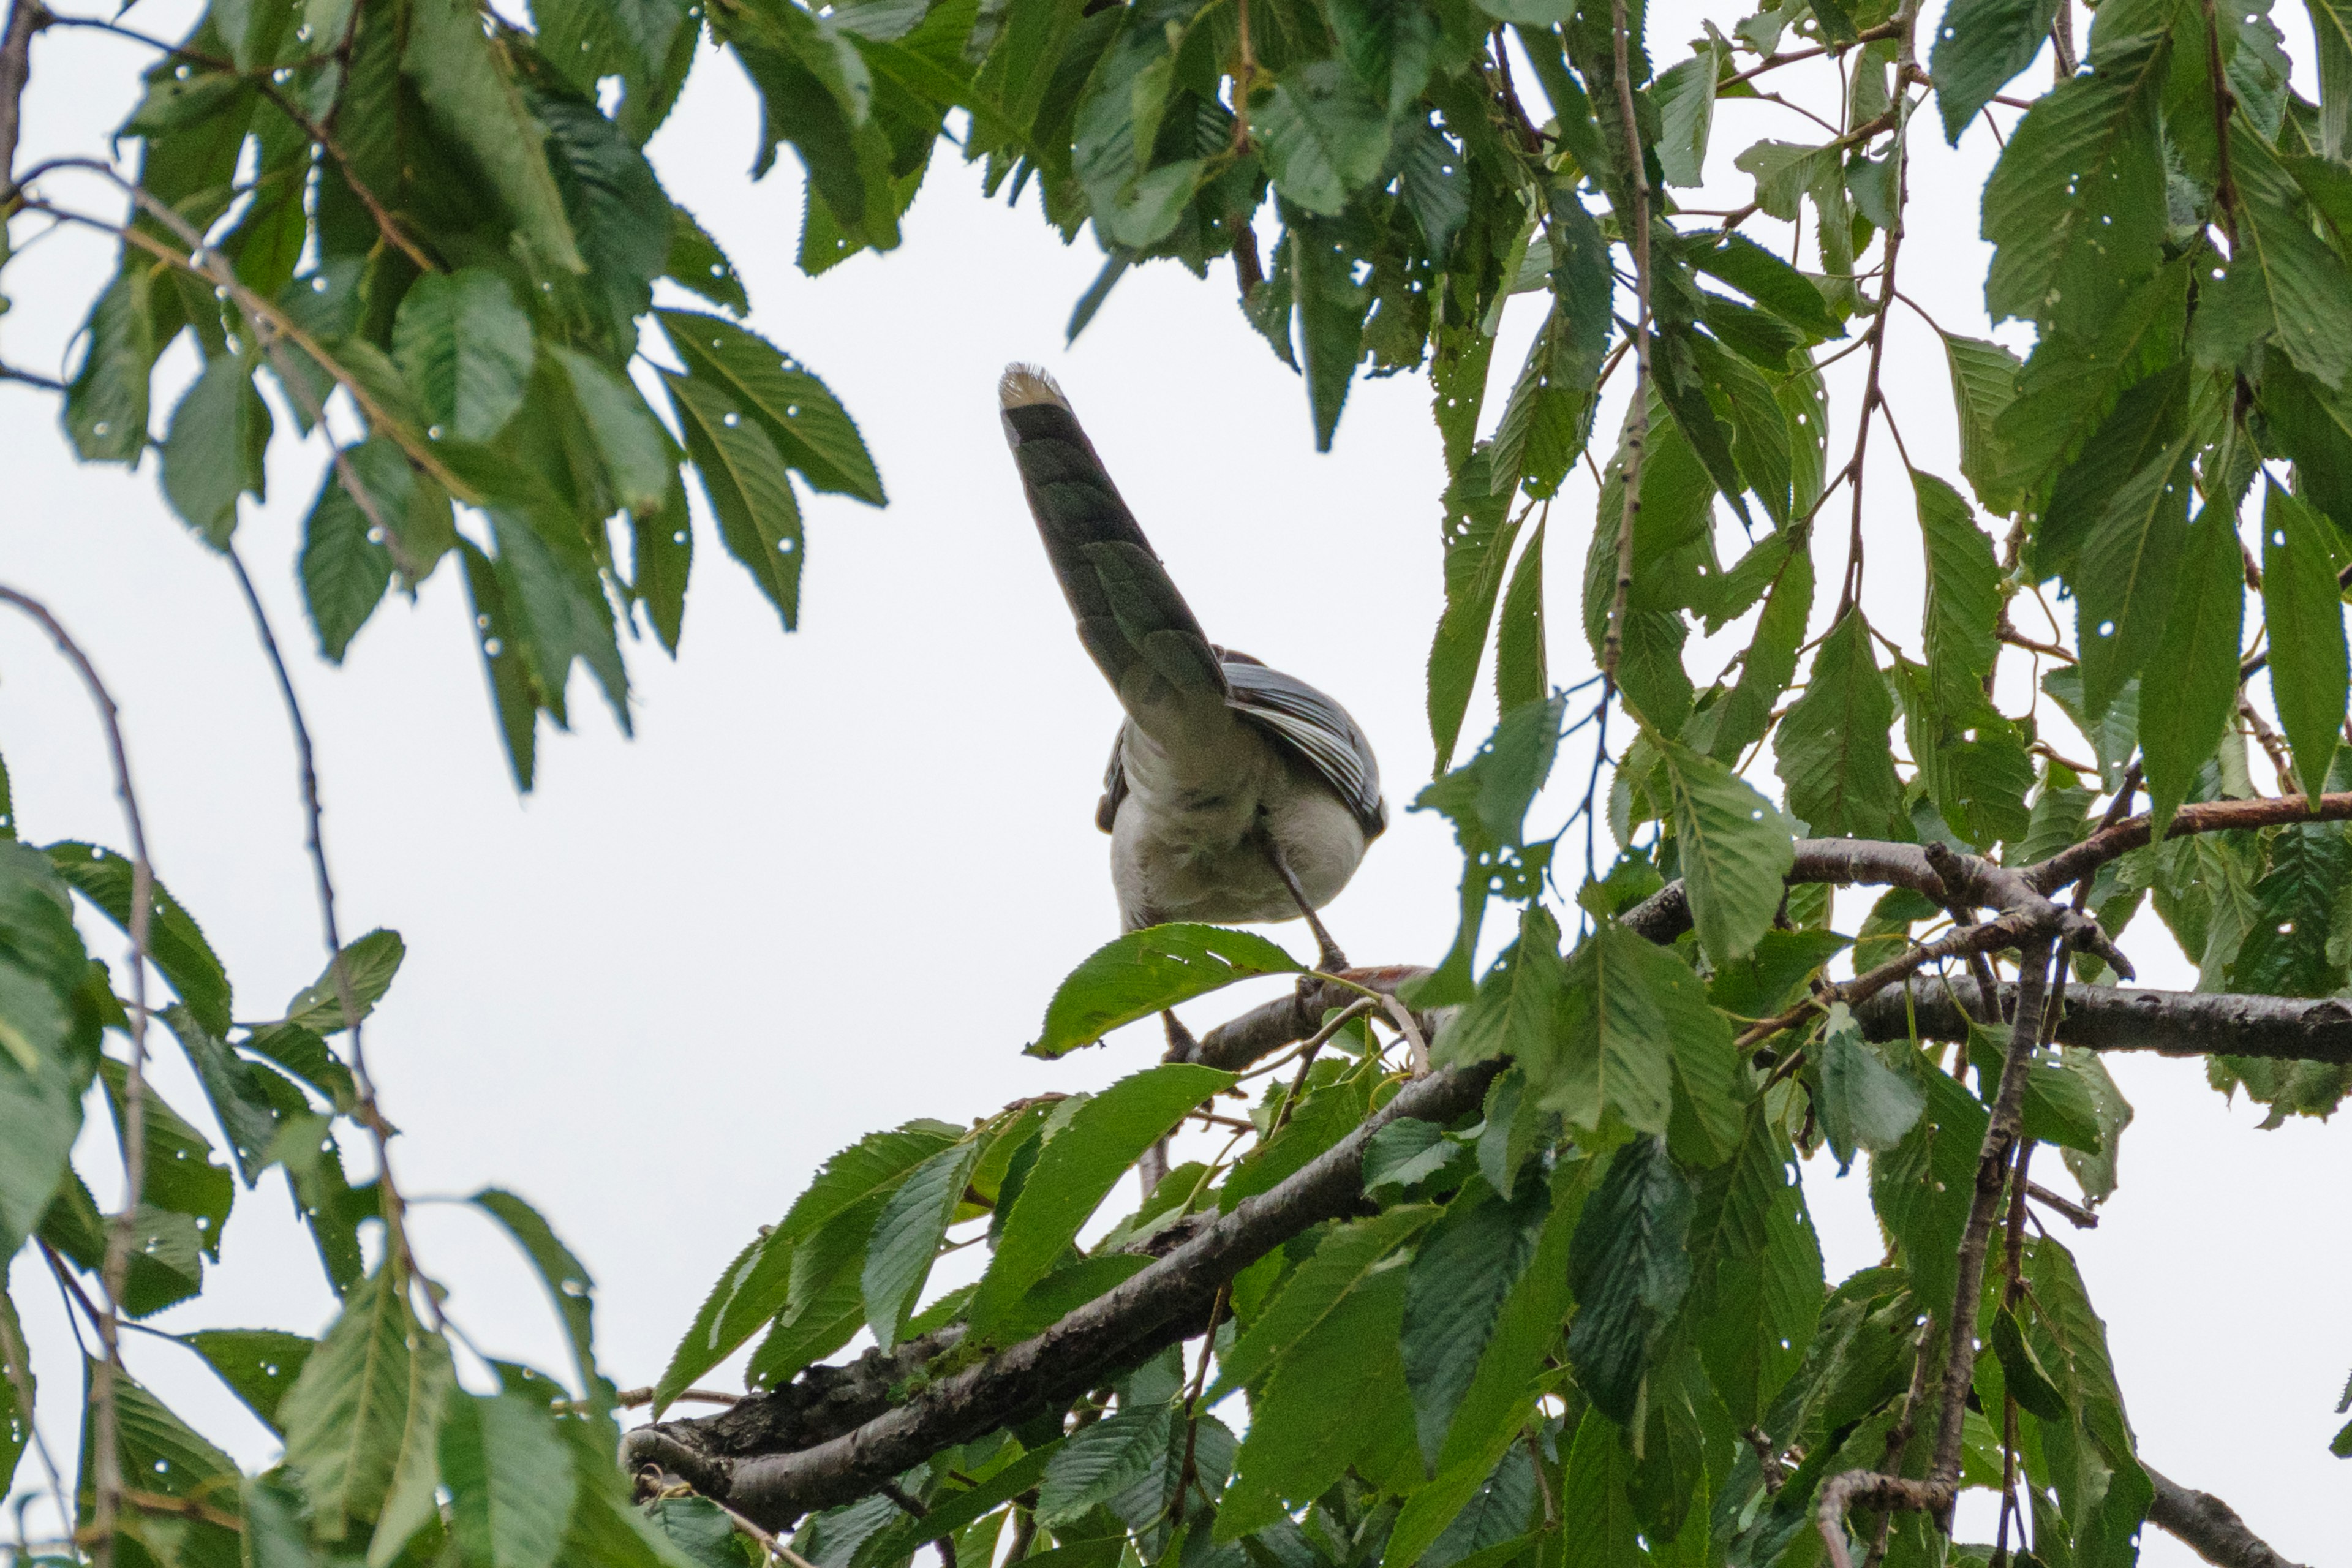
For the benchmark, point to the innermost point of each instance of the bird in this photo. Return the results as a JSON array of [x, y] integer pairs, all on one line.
[[1235, 793]]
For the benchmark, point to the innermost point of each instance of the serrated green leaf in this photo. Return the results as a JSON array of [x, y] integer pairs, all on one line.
[[466, 81], [1322, 135], [106, 407], [758, 1284], [1479, 533], [1147, 972], [1736, 852], [2303, 612], [1628, 1268], [1341, 1262], [213, 453], [2074, 209], [346, 1413], [510, 1478], [1077, 1169], [2282, 282], [1685, 96], [1609, 1056], [1963, 587], [1831, 751], [1863, 1102], [1461, 1275], [414, 1499], [2198, 655], [812, 432], [1331, 304], [1098, 1462], [1517, 1002], [370, 964], [1984, 384], [759, 516], [908, 1236], [570, 1291], [2129, 567], [174, 943], [465, 347], [1980, 45], [259, 1365], [635, 449]]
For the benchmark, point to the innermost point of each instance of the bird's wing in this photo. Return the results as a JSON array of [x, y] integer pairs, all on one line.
[[1314, 727], [1131, 618]]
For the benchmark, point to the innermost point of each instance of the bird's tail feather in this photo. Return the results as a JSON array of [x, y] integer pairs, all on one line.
[[1130, 614]]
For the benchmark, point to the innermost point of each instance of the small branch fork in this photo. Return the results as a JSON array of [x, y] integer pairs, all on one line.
[[121, 1231]]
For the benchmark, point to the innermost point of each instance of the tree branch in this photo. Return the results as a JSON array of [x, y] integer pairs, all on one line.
[[1160, 1306], [2208, 1526], [2206, 816], [2168, 1023], [26, 17]]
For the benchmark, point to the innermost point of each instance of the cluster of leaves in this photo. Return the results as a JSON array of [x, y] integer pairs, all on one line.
[[386, 1455]]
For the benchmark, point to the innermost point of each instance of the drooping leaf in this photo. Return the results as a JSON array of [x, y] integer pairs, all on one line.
[[1833, 750], [2198, 657], [570, 1291], [213, 452], [510, 1478], [759, 516], [1321, 134], [812, 432], [465, 82], [1461, 1275], [908, 1236], [1980, 46], [1863, 1102], [368, 964], [1736, 852], [1963, 588], [174, 943], [466, 349], [259, 1365], [1629, 1271], [344, 1417], [2304, 611]]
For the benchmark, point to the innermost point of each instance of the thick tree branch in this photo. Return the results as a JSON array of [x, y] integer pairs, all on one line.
[[2207, 816], [26, 17], [2169, 1023], [1158, 1306], [2208, 1526]]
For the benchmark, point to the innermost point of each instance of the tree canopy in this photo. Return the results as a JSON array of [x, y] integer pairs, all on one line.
[[1503, 1262]]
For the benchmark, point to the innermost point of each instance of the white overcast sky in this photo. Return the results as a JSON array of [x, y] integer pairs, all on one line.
[[831, 882]]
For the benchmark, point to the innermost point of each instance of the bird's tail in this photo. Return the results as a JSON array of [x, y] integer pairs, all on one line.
[[1130, 616]]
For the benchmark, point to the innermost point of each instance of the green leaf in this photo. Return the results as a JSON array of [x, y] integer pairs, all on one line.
[[1522, 674], [15, 1419], [1863, 1102], [818, 94], [1479, 533], [1343, 1259], [106, 409], [2284, 281], [2285, 951], [570, 1291], [2199, 657], [695, 262], [179, 1173], [1390, 49], [1147, 972], [465, 347], [758, 1284], [213, 453], [1963, 588], [1833, 750], [1459, 1279], [1628, 1268], [2129, 567], [2111, 1113], [345, 1415], [259, 1365], [2021, 1373], [2304, 611], [822, 1307], [465, 79], [346, 568], [168, 1457], [556, 598], [1608, 1058], [1332, 305], [1076, 1170], [370, 963], [510, 1478], [1517, 1002], [1980, 45], [173, 941], [2076, 208], [2071, 386], [1771, 282], [512, 696], [1096, 1463], [1684, 97], [635, 449], [1597, 1523], [1984, 384], [908, 1236], [1322, 135], [1337, 1400], [1736, 852], [759, 517], [812, 432]]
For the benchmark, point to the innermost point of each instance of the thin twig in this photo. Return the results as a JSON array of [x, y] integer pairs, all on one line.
[[369, 1114], [28, 377], [26, 17], [105, 1443]]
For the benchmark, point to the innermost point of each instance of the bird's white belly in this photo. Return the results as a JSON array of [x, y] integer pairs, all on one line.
[[1182, 850]]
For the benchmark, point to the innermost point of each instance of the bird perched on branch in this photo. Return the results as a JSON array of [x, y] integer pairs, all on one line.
[[1235, 792]]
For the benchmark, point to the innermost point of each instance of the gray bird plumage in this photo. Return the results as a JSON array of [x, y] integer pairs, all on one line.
[[1226, 774]]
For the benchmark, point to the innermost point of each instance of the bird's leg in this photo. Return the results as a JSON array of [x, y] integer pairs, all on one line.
[[1329, 959]]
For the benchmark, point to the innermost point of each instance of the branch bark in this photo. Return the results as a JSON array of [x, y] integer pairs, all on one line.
[[1160, 1306], [2169, 1023], [2208, 1526], [26, 17]]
